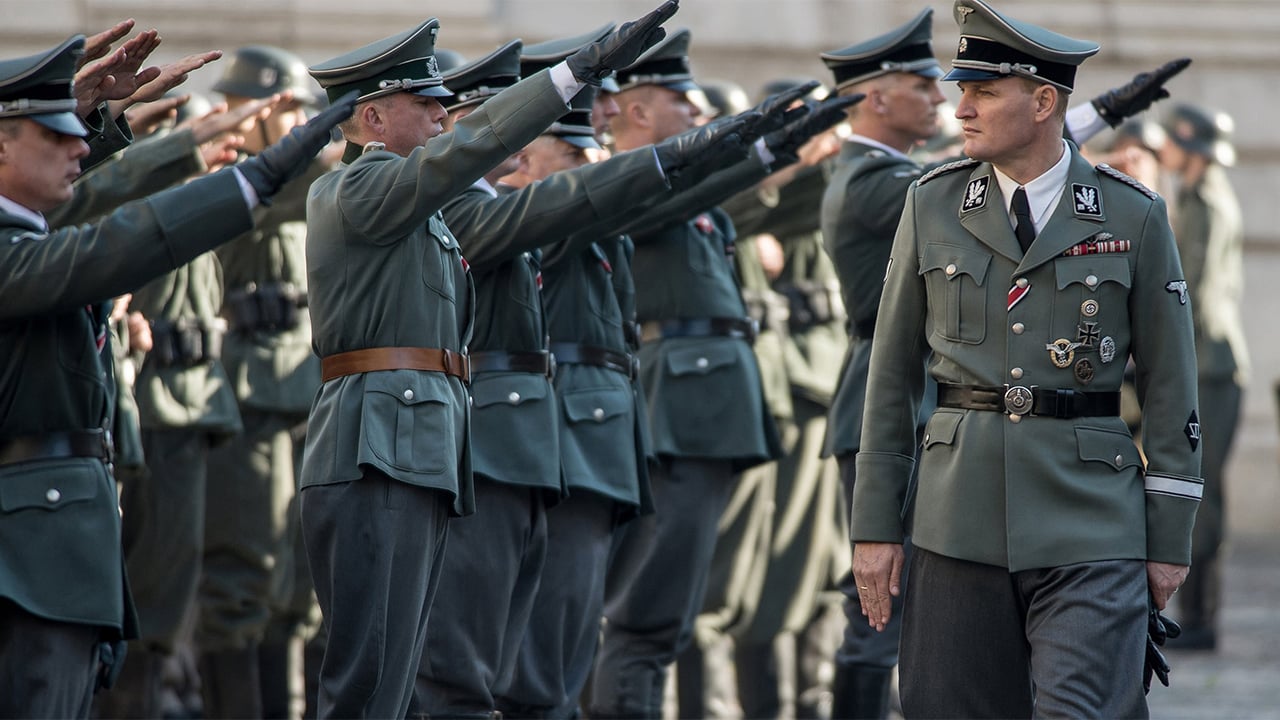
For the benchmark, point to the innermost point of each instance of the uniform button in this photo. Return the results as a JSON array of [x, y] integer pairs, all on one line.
[[926, 438], [1119, 459], [702, 362], [598, 414], [513, 398], [1022, 282], [951, 269], [1018, 328], [1091, 281], [408, 394], [1015, 418], [53, 495], [1016, 373]]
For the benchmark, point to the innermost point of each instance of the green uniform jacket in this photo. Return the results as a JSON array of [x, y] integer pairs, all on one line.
[[273, 370], [60, 558], [383, 270], [500, 238], [1210, 234], [704, 393], [860, 211], [620, 251], [1042, 492], [184, 395]]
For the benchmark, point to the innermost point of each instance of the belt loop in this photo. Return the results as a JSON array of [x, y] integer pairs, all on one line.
[[1064, 407]]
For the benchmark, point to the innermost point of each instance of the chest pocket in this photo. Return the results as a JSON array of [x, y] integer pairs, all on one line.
[[1104, 280], [441, 259], [956, 280], [705, 248]]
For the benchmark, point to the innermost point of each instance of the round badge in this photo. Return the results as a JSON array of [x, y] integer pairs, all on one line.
[[1084, 371], [1089, 308]]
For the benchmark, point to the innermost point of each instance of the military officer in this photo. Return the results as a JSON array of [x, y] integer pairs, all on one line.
[[1021, 279], [387, 456], [62, 628], [251, 527], [1210, 234]]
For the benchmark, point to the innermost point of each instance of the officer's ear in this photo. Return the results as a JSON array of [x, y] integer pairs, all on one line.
[[371, 116], [1046, 98]]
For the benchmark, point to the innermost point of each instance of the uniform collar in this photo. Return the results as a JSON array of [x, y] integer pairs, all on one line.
[[1043, 193], [485, 186], [35, 219], [864, 140]]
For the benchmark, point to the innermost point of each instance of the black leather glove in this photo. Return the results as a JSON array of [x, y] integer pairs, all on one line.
[[689, 157], [776, 111], [620, 48], [785, 143], [289, 156], [1145, 88], [1159, 629]]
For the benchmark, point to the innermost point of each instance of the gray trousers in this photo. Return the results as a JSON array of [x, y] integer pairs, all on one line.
[[375, 547], [560, 644], [487, 585], [655, 588], [981, 642], [47, 669]]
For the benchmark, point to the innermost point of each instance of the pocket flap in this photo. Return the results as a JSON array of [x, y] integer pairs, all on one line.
[[1107, 446], [1085, 268], [509, 389], [597, 405], [955, 261], [48, 485], [410, 387], [701, 359], [941, 428]]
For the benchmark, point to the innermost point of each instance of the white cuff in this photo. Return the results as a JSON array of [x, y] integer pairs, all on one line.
[[250, 195], [566, 84], [765, 155], [1083, 122]]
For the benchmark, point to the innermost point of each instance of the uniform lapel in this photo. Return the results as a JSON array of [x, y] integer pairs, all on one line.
[[984, 213], [1078, 217]]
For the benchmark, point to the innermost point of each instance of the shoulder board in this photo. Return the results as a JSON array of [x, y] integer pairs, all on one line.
[[1116, 174], [944, 169]]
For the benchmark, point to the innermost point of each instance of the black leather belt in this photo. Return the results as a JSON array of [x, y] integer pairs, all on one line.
[[1029, 400], [47, 446], [574, 353], [525, 362], [744, 328]]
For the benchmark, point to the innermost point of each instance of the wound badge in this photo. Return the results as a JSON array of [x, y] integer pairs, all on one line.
[[1089, 308], [1107, 349], [1088, 334], [1062, 351], [975, 195], [1180, 287], [1193, 430], [1084, 371], [1087, 199]]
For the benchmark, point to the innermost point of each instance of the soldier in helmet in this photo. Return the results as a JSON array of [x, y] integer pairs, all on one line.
[[1210, 234], [252, 561]]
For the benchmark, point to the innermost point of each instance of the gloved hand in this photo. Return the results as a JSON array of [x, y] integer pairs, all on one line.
[[691, 156], [776, 112], [1145, 88], [620, 48], [1159, 628], [785, 143], [288, 157]]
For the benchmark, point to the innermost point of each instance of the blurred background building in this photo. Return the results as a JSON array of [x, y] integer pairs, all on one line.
[[1236, 69]]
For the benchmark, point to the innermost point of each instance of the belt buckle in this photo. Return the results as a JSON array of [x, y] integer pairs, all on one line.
[[1018, 400], [551, 366]]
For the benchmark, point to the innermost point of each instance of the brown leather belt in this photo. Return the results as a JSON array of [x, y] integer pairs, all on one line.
[[539, 363], [738, 327], [575, 354], [47, 446], [1033, 400], [395, 358]]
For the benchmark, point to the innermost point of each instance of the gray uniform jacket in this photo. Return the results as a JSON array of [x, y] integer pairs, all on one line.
[[1045, 491]]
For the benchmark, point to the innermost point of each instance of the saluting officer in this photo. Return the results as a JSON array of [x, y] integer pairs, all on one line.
[[387, 456], [64, 606], [1021, 279]]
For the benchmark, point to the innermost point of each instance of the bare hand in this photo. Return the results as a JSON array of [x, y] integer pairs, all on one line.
[[94, 82], [221, 120], [772, 257], [129, 75], [877, 570], [146, 118], [1164, 580], [96, 46], [222, 150], [119, 308], [139, 333], [170, 76]]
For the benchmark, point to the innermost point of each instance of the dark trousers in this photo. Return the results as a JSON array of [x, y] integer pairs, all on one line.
[[487, 585], [375, 547], [560, 644], [981, 642], [47, 669], [656, 584]]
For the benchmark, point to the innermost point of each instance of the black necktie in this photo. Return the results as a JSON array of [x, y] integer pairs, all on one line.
[[1025, 230]]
